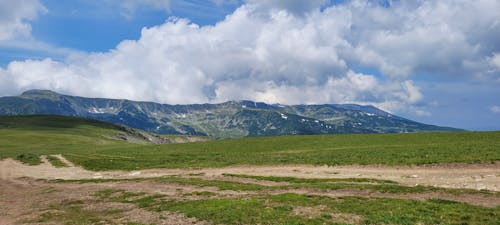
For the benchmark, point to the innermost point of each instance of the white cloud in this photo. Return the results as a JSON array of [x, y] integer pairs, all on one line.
[[15, 28], [284, 56], [495, 109], [15, 17], [437, 37], [353, 88]]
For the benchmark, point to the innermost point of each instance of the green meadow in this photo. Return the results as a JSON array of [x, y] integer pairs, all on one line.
[[91, 144], [96, 146]]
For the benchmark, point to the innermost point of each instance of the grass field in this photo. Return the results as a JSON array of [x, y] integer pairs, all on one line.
[[231, 198], [88, 143]]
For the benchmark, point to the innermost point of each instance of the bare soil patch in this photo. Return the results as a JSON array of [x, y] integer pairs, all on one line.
[[23, 197], [24, 201], [471, 176]]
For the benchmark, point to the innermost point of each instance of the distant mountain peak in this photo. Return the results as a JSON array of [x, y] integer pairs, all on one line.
[[40, 93]]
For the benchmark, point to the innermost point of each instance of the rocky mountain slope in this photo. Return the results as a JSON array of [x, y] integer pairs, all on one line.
[[224, 120]]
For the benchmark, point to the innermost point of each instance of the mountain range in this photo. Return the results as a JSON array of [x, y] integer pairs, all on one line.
[[230, 119]]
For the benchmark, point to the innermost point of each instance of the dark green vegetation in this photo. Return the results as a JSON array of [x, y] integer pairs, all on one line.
[[229, 119], [28, 158], [308, 209], [94, 145]]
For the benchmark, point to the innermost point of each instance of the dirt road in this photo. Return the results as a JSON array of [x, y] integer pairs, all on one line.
[[26, 199], [472, 176]]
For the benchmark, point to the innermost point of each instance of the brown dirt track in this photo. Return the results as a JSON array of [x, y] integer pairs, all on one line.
[[25, 197]]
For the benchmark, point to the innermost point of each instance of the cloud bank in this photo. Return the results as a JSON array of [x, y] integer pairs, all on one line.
[[287, 52]]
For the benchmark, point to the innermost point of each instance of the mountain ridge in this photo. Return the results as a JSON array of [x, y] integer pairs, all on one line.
[[231, 119]]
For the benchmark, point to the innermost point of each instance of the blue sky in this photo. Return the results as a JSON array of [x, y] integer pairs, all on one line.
[[100, 26], [436, 62], [94, 26]]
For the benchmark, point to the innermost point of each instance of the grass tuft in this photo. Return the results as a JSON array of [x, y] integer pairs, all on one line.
[[56, 161]]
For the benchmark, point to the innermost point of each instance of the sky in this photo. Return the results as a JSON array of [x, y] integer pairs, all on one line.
[[433, 61]]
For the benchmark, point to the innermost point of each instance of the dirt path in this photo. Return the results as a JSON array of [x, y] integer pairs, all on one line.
[[472, 176], [24, 198], [64, 160]]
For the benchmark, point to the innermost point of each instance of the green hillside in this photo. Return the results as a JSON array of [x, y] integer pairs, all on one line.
[[95, 145]]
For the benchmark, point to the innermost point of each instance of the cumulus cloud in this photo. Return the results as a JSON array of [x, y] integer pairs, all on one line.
[[286, 56], [15, 17], [437, 37], [15, 28]]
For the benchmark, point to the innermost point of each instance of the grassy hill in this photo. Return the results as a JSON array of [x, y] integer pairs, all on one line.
[[94, 145]]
